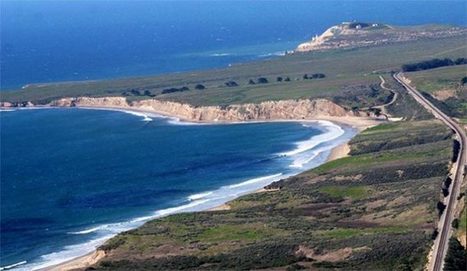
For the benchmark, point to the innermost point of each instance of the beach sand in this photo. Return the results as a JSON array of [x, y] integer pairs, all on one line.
[[77, 263], [340, 151]]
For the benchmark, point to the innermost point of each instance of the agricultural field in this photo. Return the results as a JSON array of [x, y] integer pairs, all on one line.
[[375, 209]]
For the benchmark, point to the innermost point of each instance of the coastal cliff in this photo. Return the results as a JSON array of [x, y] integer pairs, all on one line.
[[360, 34], [270, 110]]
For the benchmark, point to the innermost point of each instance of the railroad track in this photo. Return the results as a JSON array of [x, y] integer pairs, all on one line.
[[441, 243]]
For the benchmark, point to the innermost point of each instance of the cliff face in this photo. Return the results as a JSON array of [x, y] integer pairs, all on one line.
[[287, 109]]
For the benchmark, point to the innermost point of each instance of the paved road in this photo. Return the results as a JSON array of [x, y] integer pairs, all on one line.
[[441, 243], [384, 106]]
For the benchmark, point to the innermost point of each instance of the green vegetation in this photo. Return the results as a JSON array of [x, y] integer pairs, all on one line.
[[351, 76], [444, 87], [432, 64], [456, 257], [353, 192], [344, 217]]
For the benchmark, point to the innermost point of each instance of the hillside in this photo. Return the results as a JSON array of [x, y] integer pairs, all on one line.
[[376, 209], [348, 77], [372, 210]]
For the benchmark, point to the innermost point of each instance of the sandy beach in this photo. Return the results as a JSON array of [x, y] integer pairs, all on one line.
[[340, 151]]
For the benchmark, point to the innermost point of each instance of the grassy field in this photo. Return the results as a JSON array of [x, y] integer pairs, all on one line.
[[443, 86], [344, 217], [438, 79], [348, 73]]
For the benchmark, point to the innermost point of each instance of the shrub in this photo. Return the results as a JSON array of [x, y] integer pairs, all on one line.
[[171, 90], [135, 92], [200, 87], [456, 257], [431, 64], [460, 61], [287, 79], [455, 223], [262, 80], [305, 76], [464, 80], [231, 84], [251, 82], [455, 152], [440, 206], [318, 75], [445, 192], [279, 79]]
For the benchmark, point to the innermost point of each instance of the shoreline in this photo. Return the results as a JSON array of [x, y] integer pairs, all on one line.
[[339, 151]]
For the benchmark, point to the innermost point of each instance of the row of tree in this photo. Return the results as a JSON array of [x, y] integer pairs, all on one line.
[[433, 63], [185, 88]]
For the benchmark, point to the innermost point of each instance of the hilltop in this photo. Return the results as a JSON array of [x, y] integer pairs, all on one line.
[[361, 34]]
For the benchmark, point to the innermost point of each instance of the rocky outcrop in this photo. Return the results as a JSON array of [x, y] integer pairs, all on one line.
[[271, 110]]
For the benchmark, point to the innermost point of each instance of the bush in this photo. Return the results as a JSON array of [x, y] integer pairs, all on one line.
[[287, 79], [460, 61], [251, 82], [456, 257], [171, 90], [464, 80], [445, 192], [279, 79], [262, 80], [318, 75], [455, 223], [440, 206], [431, 64], [455, 152], [135, 92], [447, 182], [231, 84], [200, 87]]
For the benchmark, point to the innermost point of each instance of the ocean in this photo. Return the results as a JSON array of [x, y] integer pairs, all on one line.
[[47, 41], [71, 178]]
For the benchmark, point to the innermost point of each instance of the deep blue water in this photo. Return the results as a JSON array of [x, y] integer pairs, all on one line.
[[73, 176], [44, 41]]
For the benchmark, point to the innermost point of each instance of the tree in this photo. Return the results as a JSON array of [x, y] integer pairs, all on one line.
[[455, 223], [287, 79], [262, 80], [305, 76], [251, 82], [279, 79], [440, 206], [147, 93], [231, 84], [456, 257], [200, 87]]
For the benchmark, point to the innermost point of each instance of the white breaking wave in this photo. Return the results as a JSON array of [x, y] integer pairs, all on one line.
[[256, 180], [304, 154], [220, 54], [139, 114], [332, 132], [279, 53], [199, 196], [7, 267]]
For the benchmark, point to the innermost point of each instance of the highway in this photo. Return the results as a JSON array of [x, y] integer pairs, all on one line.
[[441, 243]]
